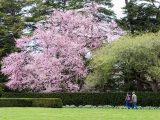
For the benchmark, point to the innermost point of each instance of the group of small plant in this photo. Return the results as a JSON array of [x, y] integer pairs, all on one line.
[[111, 107]]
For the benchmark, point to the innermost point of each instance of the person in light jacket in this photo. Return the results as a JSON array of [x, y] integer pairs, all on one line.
[[134, 100]]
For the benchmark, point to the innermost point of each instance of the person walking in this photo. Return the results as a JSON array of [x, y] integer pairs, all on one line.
[[134, 100], [128, 100]]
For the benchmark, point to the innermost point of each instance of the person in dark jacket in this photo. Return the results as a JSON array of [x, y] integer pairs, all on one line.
[[128, 100]]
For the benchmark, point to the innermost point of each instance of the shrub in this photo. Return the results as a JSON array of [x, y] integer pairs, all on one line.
[[31, 102], [1, 87], [75, 98], [96, 99]]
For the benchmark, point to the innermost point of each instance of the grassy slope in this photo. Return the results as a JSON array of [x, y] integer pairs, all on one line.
[[77, 114]]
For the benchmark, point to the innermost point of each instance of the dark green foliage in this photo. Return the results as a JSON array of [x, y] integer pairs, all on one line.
[[141, 17], [109, 98], [2, 87], [45, 8], [11, 23], [76, 4], [12, 102], [31, 102], [42, 9], [75, 98], [0, 93]]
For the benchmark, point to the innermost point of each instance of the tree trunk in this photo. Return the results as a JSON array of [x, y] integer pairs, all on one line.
[[154, 86], [158, 9], [126, 1], [130, 19], [158, 14], [64, 4]]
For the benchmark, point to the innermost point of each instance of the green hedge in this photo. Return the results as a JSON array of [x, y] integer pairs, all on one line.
[[31, 102], [115, 99]]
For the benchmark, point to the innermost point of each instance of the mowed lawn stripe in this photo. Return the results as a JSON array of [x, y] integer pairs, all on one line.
[[77, 114]]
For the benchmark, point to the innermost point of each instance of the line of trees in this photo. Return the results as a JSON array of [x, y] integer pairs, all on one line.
[[17, 15]]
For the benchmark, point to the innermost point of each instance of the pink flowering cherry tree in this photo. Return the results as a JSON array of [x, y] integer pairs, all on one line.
[[53, 58]]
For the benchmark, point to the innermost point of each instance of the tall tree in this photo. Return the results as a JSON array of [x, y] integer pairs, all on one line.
[[53, 59], [141, 16], [131, 63]]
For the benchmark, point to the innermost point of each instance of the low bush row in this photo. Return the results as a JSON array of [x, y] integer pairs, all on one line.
[[96, 99], [31, 102], [110, 107]]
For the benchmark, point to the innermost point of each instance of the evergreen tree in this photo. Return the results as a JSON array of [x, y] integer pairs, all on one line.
[[141, 16], [46, 7]]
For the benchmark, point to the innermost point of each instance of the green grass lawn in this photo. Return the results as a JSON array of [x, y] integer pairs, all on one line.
[[77, 114]]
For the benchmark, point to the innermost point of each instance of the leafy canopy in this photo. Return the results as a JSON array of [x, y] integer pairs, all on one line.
[[127, 64], [53, 58]]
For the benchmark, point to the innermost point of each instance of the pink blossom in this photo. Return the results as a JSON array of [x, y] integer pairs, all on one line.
[[53, 58]]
